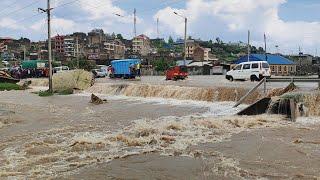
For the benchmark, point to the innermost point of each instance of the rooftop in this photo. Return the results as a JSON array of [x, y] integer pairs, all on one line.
[[270, 58]]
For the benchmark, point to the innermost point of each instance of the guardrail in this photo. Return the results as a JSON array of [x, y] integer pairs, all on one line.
[[293, 79], [284, 79]]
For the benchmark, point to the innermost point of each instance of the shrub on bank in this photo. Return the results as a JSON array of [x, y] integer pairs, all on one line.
[[9, 87]]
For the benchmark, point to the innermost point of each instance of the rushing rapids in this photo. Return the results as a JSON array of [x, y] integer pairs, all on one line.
[[174, 92]]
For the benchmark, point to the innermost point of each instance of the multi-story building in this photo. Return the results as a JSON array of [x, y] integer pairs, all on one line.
[[97, 52], [191, 46], [301, 59], [6, 40], [58, 44], [200, 54], [115, 49], [141, 45], [3, 47], [69, 46], [96, 36]]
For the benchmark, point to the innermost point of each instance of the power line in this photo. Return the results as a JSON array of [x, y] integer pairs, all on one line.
[[21, 8], [8, 6], [65, 4], [23, 20], [38, 14]]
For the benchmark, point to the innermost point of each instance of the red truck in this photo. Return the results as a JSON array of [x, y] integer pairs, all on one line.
[[177, 72]]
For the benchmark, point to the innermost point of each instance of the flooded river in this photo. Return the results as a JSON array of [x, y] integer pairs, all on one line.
[[148, 131]]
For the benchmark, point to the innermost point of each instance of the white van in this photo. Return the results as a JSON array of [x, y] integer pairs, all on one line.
[[61, 69], [253, 70]]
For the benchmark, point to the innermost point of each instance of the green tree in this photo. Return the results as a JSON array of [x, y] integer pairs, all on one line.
[[170, 41], [189, 38], [162, 65], [261, 50], [119, 36], [83, 64], [218, 40], [113, 35]]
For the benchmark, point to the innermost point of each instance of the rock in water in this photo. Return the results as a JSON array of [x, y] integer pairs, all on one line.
[[96, 100]]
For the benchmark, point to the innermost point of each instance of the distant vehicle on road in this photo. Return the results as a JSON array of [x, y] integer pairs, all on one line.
[[177, 72], [5, 63], [253, 70], [61, 69], [125, 68], [98, 73]]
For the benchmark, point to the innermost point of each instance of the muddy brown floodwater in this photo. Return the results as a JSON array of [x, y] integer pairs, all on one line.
[[150, 132]]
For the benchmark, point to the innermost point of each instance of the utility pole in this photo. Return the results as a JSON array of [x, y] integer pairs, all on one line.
[[185, 40], [77, 51], [49, 48], [24, 52], [265, 47], [248, 45], [185, 36], [49, 43], [158, 27], [135, 22]]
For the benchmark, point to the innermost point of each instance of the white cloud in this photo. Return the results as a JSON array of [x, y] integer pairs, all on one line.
[[56, 24], [10, 24], [99, 9], [260, 16]]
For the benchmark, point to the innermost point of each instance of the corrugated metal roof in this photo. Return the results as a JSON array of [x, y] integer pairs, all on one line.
[[271, 59], [181, 62], [198, 64]]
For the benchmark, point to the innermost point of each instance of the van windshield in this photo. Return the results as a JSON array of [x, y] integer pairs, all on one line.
[[265, 65]]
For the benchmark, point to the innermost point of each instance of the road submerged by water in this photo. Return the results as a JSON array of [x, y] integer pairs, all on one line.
[[143, 136]]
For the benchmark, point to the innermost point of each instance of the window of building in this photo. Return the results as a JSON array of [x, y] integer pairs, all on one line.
[[280, 69], [291, 69], [285, 69], [273, 68]]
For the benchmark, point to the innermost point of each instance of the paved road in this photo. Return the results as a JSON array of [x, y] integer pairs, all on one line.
[[207, 81]]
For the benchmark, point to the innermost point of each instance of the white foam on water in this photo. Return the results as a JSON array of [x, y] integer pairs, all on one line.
[[214, 108], [313, 120]]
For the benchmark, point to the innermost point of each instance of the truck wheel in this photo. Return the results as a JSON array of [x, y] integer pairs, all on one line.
[[174, 79], [253, 78]]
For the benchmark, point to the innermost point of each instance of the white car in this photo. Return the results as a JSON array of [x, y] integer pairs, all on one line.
[[5, 63], [253, 70], [61, 69], [98, 73]]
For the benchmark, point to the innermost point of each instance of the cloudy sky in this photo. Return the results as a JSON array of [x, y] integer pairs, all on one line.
[[287, 24]]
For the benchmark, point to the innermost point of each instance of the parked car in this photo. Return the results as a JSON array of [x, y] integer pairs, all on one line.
[[5, 63], [253, 70], [61, 69], [98, 73]]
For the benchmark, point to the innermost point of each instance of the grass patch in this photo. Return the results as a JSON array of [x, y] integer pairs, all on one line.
[[47, 93], [44, 93], [297, 97], [66, 92], [9, 86]]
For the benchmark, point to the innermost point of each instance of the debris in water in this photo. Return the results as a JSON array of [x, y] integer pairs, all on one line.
[[96, 100]]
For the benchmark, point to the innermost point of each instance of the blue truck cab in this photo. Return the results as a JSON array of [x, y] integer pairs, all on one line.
[[122, 67]]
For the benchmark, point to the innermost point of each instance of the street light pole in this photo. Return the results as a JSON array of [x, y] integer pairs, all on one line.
[[185, 37], [49, 43]]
